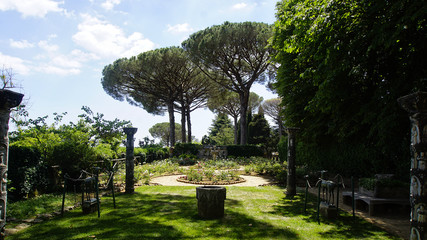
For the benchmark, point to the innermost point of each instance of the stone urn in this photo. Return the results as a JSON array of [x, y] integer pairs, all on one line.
[[210, 201]]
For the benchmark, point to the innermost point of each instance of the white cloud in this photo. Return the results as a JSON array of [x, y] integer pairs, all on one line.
[[109, 4], [48, 47], [180, 28], [83, 56], [31, 8], [239, 6], [18, 65], [243, 6], [20, 44], [55, 70], [64, 64], [107, 40]]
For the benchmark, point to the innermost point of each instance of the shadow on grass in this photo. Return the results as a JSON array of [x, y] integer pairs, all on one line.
[[154, 216], [344, 227]]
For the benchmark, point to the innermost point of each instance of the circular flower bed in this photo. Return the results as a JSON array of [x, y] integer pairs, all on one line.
[[184, 179], [210, 176]]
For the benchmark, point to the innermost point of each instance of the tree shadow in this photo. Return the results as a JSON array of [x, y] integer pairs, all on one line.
[[154, 216], [343, 227]]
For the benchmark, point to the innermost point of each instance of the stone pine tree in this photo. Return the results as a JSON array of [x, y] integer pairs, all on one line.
[[234, 55], [161, 131], [195, 91], [228, 102], [273, 108], [153, 80]]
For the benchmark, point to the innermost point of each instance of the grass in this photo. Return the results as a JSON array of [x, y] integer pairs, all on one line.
[[163, 212], [46, 203]]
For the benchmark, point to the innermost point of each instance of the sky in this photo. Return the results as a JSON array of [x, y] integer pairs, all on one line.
[[57, 49]]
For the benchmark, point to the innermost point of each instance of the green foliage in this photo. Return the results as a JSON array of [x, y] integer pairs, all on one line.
[[282, 148], [150, 154], [244, 150], [43, 204], [169, 212], [221, 131], [27, 173], [186, 159], [156, 80], [258, 130], [73, 153], [343, 64], [367, 183], [349, 159], [220, 164], [72, 147], [6, 77], [186, 148], [162, 132], [372, 183], [234, 55]]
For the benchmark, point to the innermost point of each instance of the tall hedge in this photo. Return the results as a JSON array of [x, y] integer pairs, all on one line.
[[27, 172], [244, 151], [186, 148]]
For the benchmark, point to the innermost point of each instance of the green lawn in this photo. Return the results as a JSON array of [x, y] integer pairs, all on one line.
[[161, 212]]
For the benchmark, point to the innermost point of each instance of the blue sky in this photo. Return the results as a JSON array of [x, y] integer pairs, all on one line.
[[57, 49]]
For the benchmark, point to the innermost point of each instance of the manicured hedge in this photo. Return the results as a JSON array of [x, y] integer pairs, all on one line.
[[245, 151], [186, 148]]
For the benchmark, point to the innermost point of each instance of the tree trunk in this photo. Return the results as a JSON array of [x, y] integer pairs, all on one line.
[[279, 123], [171, 124], [244, 100], [183, 130], [130, 132], [190, 139], [236, 130]]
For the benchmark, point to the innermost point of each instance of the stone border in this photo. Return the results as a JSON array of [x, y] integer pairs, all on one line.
[[210, 183]]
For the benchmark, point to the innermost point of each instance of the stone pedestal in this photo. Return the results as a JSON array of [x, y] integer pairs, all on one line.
[[291, 188], [416, 105], [8, 100], [130, 132], [328, 211], [210, 201]]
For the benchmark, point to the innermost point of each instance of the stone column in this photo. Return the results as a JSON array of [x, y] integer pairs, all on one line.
[[291, 188], [130, 132], [8, 100], [416, 105]]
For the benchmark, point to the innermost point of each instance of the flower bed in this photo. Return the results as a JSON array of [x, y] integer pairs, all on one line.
[[210, 176], [183, 179]]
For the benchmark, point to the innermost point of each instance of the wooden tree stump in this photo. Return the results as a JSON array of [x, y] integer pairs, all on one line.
[[210, 201]]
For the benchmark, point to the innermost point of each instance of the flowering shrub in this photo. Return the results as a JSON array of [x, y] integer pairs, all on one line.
[[194, 175], [209, 173]]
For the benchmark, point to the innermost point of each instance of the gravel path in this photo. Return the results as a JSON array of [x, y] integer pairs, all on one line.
[[251, 181]]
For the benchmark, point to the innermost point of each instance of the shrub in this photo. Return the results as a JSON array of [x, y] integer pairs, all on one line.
[[155, 153], [186, 148], [244, 150], [282, 148], [27, 173], [194, 175], [73, 154]]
